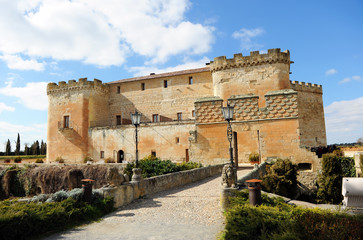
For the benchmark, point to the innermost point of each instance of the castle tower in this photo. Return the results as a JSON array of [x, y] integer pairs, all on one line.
[[255, 74], [73, 107]]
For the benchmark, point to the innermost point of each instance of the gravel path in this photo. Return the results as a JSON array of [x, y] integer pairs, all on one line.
[[189, 212]]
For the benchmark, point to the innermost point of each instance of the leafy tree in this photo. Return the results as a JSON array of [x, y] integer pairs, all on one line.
[[8, 148], [35, 149], [43, 148], [26, 149], [17, 148], [360, 140]]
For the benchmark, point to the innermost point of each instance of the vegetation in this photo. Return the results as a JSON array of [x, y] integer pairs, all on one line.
[[348, 168], [361, 162], [39, 161], [17, 160], [19, 220], [280, 178], [153, 166], [87, 159], [59, 160], [254, 157], [35, 149], [23, 157], [275, 219], [109, 160]]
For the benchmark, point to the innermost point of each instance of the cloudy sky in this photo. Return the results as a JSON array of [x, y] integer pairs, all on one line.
[[46, 41]]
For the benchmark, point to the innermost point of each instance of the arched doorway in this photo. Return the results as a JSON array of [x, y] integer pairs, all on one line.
[[120, 156]]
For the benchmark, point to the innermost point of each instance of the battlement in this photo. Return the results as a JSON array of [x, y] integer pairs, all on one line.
[[273, 56], [73, 85], [306, 87]]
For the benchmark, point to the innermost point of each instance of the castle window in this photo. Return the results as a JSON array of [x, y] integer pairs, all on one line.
[[179, 115], [142, 86], [66, 122], [153, 153], [165, 83], [102, 154], [118, 89], [118, 120], [176, 140], [193, 113], [190, 80], [155, 117]]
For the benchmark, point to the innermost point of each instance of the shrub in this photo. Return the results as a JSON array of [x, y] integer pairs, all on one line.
[[361, 162], [7, 160], [39, 161], [20, 220], [275, 219], [254, 157], [280, 178], [59, 160], [87, 159], [109, 160], [330, 180], [338, 152], [17, 160], [189, 165], [348, 168]]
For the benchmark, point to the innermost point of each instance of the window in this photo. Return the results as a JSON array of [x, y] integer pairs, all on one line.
[[66, 122], [155, 118], [190, 80], [102, 154], [118, 89], [118, 120], [179, 115], [153, 153], [177, 140], [142, 86], [165, 83], [193, 113]]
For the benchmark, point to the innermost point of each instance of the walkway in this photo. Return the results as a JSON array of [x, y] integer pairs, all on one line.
[[189, 212]]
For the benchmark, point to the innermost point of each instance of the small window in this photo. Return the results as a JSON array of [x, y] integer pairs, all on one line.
[[118, 120], [118, 89], [179, 115], [304, 166], [66, 122], [193, 113], [155, 117], [165, 83], [190, 80], [142, 86], [177, 140], [102, 154], [153, 153]]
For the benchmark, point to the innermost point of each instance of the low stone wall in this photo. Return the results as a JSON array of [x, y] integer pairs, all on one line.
[[128, 192], [256, 173]]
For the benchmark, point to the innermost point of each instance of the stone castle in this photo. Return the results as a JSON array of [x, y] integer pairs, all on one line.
[[181, 114]]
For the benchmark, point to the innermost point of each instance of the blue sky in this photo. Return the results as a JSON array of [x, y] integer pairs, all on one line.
[[57, 40]]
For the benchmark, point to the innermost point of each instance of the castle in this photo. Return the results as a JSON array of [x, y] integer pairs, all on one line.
[[182, 118]]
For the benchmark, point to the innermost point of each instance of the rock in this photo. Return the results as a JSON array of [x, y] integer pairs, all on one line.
[[114, 177]]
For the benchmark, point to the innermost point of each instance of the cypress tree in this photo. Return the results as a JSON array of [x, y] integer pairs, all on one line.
[[26, 149], [8, 148], [17, 148]]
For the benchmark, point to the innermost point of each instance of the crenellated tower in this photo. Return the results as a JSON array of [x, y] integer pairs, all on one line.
[[72, 107], [255, 74]]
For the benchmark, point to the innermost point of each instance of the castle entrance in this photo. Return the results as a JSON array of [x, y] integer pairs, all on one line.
[[120, 156]]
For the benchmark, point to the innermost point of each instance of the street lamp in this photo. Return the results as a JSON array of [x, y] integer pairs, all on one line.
[[228, 116], [135, 119]]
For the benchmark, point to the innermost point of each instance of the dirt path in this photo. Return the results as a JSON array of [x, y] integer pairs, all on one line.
[[189, 212]]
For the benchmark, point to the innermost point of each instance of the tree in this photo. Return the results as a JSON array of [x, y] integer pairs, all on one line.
[[17, 148], [35, 148], [360, 140], [26, 149], [8, 148], [43, 148]]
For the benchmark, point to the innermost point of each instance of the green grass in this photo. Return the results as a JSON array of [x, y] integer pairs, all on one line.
[[23, 157], [21, 220]]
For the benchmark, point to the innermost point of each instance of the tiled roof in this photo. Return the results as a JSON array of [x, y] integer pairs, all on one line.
[[162, 75]]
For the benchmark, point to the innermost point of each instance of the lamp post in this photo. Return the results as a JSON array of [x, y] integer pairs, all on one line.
[[135, 119], [228, 116]]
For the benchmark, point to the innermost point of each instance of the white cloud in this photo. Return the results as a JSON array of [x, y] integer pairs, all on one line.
[[246, 35], [16, 62], [4, 107], [331, 71], [146, 70], [344, 120], [32, 96], [348, 79], [102, 33]]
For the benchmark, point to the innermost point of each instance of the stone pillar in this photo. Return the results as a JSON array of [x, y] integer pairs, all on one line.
[[229, 185], [138, 183]]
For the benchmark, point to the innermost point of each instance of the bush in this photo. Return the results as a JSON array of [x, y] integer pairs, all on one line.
[[153, 166], [39, 161], [17, 160], [59, 160], [20, 220], [254, 157], [109, 160], [275, 219], [7, 160], [280, 178], [348, 168], [361, 162], [330, 180], [87, 159]]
